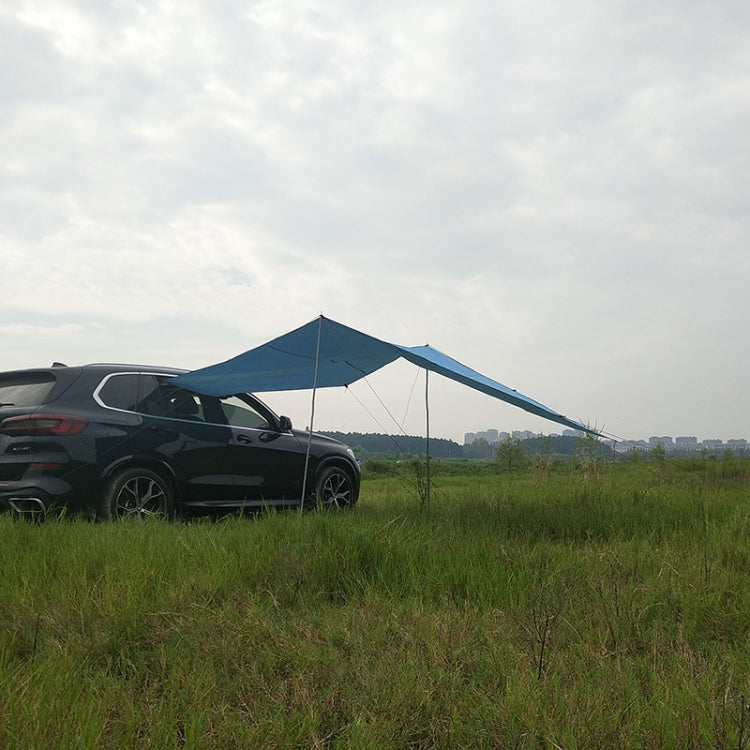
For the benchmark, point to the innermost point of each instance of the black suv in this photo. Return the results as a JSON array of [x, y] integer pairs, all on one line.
[[122, 440]]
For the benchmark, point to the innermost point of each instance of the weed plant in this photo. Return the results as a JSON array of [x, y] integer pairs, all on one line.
[[546, 609]]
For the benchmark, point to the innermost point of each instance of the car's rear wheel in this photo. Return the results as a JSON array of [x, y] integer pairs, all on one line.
[[139, 494], [334, 489]]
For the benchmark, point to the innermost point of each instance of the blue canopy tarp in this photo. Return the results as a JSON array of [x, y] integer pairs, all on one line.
[[323, 354]]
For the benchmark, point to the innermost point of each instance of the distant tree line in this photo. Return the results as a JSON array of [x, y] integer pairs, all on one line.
[[374, 445]]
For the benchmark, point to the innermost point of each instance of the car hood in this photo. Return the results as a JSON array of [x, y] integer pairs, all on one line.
[[322, 441]]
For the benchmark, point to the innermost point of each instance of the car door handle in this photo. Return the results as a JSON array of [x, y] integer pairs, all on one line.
[[244, 439]]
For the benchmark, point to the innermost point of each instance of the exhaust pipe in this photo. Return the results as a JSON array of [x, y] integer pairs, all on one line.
[[28, 506]]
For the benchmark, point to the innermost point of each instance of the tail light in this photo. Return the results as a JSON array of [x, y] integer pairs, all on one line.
[[42, 424]]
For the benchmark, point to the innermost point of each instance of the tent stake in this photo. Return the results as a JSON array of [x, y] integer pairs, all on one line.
[[312, 418]]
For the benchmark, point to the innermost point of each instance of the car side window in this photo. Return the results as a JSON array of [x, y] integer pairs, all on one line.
[[239, 413], [183, 404], [152, 401], [155, 396], [120, 391], [168, 400]]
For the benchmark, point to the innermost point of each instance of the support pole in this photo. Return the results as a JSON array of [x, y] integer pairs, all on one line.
[[427, 420], [312, 417]]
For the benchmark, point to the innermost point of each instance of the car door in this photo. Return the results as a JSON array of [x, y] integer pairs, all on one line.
[[187, 432], [269, 462]]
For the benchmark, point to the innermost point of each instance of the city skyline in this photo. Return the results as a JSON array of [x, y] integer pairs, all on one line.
[[679, 442]]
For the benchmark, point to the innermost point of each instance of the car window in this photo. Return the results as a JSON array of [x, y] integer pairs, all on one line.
[[159, 398], [239, 413], [26, 389], [151, 400], [120, 391], [182, 404]]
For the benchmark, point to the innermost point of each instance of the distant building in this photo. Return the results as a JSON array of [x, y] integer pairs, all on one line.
[[625, 446], [665, 441], [680, 443], [686, 442]]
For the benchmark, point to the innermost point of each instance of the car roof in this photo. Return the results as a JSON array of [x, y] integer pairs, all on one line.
[[123, 367], [109, 367]]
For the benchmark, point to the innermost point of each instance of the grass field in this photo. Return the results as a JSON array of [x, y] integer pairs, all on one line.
[[578, 607]]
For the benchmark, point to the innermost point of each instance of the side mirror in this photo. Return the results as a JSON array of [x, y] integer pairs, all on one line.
[[285, 424]]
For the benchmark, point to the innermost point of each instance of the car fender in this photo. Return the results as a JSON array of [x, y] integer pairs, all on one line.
[[141, 462], [340, 461]]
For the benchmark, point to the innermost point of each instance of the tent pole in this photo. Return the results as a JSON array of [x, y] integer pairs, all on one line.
[[427, 419], [312, 417]]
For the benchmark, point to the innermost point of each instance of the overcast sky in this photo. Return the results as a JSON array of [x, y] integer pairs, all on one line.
[[555, 194]]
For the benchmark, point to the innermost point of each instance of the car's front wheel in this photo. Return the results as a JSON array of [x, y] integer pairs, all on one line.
[[334, 489], [139, 494]]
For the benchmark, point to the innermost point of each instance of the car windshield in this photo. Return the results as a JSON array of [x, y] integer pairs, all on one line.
[[25, 389]]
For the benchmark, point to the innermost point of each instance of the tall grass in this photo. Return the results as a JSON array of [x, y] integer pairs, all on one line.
[[567, 611]]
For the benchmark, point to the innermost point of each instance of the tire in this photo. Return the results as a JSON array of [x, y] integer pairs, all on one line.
[[139, 494], [334, 489]]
